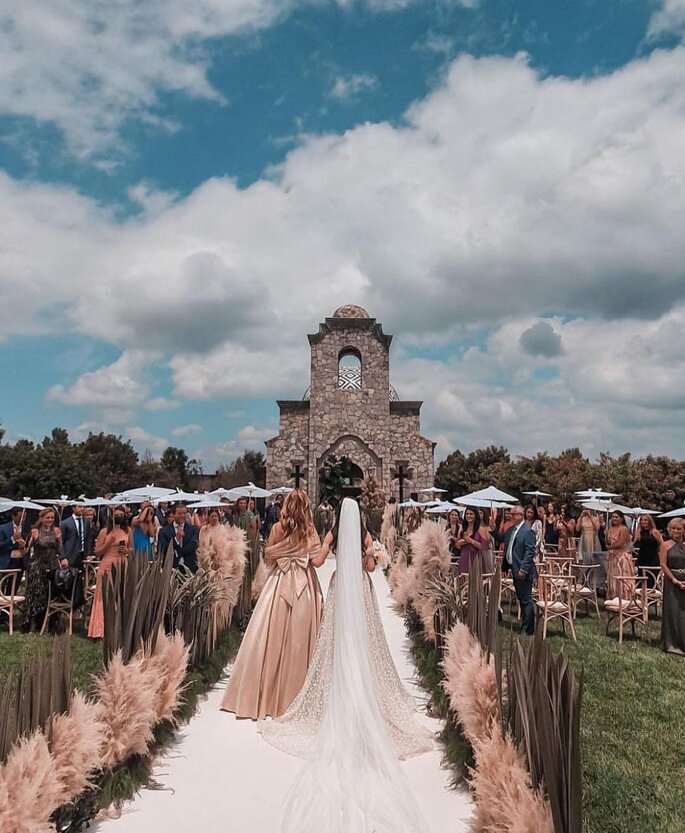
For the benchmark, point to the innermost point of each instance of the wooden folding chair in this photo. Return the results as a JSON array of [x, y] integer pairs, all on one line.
[[58, 605], [655, 592], [585, 588], [9, 599], [555, 601], [631, 605]]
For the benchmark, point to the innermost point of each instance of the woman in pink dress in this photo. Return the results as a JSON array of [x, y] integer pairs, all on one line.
[[274, 657], [619, 560], [112, 546]]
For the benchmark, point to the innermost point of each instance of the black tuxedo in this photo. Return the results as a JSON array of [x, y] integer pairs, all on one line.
[[522, 561], [185, 553]]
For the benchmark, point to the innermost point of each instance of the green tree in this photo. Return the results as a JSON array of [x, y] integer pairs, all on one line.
[[115, 463], [175, 462], [249, 467]]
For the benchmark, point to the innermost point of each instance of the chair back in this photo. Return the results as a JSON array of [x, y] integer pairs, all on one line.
[[8, 585]]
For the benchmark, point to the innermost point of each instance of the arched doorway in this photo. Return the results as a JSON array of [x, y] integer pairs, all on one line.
[[339, 477]]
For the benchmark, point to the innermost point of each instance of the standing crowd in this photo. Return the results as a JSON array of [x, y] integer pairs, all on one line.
[[50, 558]]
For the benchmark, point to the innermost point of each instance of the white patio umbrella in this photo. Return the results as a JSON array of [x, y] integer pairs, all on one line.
[[537, 493], [282, 490], [220, 492], [6, 504], [674, 513], [248, 491], [142, 493], [639, 510], [94, 501], [411, 503], [56, 501], [491, 493], [208, 504], [597, 505], [596, 494], [433, 490], [478, 503], [180, 496], [441, 507]]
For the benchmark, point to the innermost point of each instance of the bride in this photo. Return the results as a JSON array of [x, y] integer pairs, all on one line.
[[353, 718]]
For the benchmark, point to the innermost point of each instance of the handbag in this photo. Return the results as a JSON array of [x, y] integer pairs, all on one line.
[[64, 579]]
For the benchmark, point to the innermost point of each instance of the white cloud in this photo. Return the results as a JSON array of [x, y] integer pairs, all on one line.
[[89, 67], [118, 385], [249, 438], [670, 17], [143, 440], [503, 198], [161, 403], [186, 430], [350, 87]]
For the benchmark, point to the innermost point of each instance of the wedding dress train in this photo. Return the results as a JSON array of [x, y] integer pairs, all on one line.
[[353, 719]]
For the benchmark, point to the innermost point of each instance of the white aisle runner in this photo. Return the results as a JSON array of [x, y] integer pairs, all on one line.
[[221, 776]]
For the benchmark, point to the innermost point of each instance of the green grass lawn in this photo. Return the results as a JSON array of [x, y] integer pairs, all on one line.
[[632, 733], [86, 655]]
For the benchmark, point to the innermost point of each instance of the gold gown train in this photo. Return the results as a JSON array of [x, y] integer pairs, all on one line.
[[274, 657]]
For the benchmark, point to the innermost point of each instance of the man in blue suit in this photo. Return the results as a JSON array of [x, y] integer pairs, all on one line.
[[519, 556], [185, 538], [13, 544]]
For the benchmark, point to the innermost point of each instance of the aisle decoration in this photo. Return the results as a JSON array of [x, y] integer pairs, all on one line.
[[59, 749], [518, 709]]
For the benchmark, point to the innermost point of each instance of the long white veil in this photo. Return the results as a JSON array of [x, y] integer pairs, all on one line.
[[352, 782]]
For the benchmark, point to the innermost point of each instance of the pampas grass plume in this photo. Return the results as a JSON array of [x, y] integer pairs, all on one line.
[[505, 799], [128, 708], [169, 665], [471, 684], [29, 791], [75, 742]]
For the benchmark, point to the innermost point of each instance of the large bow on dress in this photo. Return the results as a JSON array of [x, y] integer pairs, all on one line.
[[293, 561]]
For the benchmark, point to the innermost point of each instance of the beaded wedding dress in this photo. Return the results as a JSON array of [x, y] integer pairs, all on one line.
[[353, 718]]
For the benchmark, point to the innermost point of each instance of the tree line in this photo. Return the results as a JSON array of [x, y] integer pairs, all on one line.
[[105, 464], [653, 482]]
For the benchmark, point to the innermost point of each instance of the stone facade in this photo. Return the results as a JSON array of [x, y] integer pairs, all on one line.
[[364, 421]]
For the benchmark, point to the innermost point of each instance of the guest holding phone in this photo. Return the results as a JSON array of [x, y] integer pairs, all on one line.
[[112, 546]]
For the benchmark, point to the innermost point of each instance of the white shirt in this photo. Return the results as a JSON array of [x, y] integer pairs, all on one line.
[[510, 547]]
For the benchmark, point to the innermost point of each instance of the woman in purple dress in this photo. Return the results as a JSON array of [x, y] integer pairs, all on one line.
[[471, 541]]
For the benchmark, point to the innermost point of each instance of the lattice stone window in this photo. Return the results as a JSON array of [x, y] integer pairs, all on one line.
[[350, 369]]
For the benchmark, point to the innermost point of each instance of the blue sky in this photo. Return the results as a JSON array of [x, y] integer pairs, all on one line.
[[188, 189]]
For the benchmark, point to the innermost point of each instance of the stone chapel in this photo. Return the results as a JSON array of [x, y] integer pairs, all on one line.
[[350, 409]]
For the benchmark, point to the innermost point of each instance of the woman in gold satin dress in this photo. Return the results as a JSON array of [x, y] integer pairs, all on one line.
[[274, 657]]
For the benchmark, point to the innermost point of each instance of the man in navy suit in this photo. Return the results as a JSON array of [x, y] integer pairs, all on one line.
[[519, 556], [76, 538], [183, 536], [12, 544]]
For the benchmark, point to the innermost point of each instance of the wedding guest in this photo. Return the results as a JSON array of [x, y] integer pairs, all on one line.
[[13, 544], [112, 547], [647, 542], [252, 507], [619, 561], [243, 518], [144, 529], [273, 513], [530, 514], [471, 541], [45, 556], [588, 542], [274, 656], [183, 536], [76, 537], [672, 559], [200, 518], [519, 546], [505, 523], [454, 532], [551, 527]]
